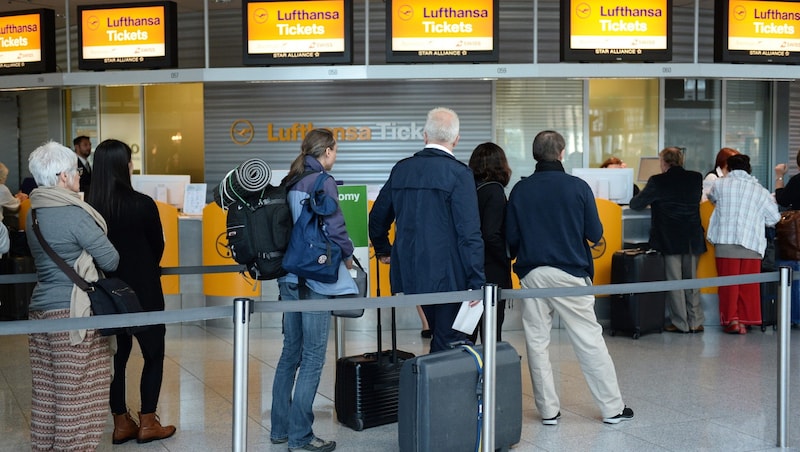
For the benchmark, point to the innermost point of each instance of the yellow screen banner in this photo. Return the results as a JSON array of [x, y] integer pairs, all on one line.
[[123, 32], [442, 25], [764, 26], [301, 26], [20, 38], [619, 24]]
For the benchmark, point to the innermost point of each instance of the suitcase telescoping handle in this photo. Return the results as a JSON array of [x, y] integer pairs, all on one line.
[[394, 319]]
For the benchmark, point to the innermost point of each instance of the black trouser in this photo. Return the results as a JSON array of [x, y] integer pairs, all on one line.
[[151, 342], [440, 319], [501, 316]]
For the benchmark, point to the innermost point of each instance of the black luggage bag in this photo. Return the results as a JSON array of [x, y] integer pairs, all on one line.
[[366, 389], [640, 312], [439, 401], [769, 290], [15, 298]]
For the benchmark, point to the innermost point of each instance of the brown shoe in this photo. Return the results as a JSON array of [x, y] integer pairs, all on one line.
[[698, 329], [125, 428], [673, 329], [150, 428]]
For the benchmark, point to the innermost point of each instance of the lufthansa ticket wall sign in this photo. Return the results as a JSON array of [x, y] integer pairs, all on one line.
[[298, 32], [616, 30], [442, 31], [757, 32], [128, 36], [27, 42]]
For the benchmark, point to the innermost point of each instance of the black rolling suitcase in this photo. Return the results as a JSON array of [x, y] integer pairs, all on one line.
[[439, 401], [769, 290], [366, 393], [15, 298], [640, 312]]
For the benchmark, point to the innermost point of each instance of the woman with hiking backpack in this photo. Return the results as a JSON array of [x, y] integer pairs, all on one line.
[[305, 334]]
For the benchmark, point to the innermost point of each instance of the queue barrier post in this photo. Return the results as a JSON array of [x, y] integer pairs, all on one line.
[[490, 295], [784, 318], [242, 308]]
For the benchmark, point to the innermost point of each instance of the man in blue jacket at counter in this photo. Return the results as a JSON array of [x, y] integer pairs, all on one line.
[[438, 246], [549, 219]]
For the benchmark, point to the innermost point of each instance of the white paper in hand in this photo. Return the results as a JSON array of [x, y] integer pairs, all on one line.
[[468, 317]]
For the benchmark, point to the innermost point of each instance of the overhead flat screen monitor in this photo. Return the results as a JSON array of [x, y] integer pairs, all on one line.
[[27, 42], [757, 32], [299, 32], [614, 184], [442, 31], [648, 167], [616, 30], [128, 36]]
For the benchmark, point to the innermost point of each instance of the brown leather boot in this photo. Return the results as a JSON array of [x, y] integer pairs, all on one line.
[[150, 428], [125, 428]]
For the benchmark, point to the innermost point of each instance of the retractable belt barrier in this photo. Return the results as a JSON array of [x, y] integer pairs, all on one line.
[[219, 312], [241, 308]]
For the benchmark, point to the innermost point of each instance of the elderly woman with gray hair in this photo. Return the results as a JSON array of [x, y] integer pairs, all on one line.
[[71, 370]]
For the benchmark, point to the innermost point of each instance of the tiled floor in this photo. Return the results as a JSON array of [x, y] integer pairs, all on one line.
[[690, 392]]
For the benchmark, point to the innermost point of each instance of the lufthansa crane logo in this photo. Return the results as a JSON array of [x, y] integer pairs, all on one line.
[[599, 248], [583, 10], [242, 132]]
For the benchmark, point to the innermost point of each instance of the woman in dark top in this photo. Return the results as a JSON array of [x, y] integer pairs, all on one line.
[[788, 196], [134, 227], [492, 173]]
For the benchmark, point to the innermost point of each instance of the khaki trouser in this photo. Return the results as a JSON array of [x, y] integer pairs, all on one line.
[[586, 335], [685, 310]]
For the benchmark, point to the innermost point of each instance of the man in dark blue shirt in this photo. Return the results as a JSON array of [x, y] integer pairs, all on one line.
[[551, 215]]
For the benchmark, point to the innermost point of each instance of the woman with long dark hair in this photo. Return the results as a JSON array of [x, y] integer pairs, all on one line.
[[492, 173], [134, 227]]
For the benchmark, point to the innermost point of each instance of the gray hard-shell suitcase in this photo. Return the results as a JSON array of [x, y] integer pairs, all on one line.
[[438, 408]]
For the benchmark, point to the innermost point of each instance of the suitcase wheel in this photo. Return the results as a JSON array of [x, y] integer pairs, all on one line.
[[613, 333], [763, 328], [637, 334]]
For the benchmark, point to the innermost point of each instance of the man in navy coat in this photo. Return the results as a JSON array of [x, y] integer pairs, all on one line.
[[438, 247]]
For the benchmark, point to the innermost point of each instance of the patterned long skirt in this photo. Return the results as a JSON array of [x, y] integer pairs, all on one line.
[[69, 404]]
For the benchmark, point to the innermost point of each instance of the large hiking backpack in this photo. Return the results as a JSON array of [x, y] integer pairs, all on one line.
[[259, 222], [258, 232]]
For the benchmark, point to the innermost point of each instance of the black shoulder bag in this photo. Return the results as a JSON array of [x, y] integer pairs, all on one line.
[[107, 296]]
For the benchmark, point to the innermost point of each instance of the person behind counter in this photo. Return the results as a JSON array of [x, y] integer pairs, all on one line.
[[8, 202], [676, 231], [788, 196], [719, 171], [71, 370], [615, 162], [134, 228]]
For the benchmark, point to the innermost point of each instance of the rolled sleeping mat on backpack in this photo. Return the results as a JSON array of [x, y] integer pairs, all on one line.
[[252, 175]]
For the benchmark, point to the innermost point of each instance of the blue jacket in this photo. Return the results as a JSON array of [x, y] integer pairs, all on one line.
[[334, 226], [438, 247], [550, 216]]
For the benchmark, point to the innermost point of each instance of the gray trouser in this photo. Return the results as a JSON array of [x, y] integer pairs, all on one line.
[[685, 310]]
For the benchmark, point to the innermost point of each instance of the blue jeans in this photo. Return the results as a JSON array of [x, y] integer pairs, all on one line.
[[305, 341], [795, 265]]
